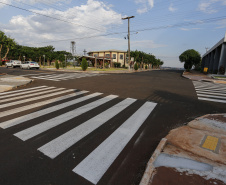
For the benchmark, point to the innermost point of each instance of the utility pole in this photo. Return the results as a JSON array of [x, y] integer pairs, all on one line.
[[128, 38], [206, 49]]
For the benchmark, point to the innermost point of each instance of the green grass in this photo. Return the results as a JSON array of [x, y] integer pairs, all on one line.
[[220, 77]]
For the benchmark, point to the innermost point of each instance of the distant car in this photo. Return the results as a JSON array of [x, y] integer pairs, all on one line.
[[29, 65], [13, 63]]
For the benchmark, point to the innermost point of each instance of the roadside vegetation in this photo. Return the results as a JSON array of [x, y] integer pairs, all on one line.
[[47, 56], [191, 58]]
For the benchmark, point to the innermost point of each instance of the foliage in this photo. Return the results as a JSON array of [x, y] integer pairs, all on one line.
[[222, 70], [117, 64], [57, 64], [11, 50], [84, 64], [0, 63], [140, 56], [135, 66], [191, 58], [146, 67], [187, 66]]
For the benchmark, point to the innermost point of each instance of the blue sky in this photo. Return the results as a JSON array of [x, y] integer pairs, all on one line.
[[164, 28]]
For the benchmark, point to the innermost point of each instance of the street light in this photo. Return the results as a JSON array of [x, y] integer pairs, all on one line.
[[44, 61], [65, 60]]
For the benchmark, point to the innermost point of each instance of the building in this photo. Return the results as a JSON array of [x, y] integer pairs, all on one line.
[[109, 56], [215, 58]]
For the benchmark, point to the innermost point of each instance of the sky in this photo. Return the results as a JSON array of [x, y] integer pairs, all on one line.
[[164, 28]]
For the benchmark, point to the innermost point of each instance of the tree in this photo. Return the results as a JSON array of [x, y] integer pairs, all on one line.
[[3, 38], [84, 64], [191, 58]]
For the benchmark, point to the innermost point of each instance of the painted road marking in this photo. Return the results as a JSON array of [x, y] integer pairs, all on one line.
[[25, 95], [21, 90], [26, 92], [44, 126], [210, 91], [96, 164], [60, 144], [34, 105], [36, 98], [39, 113], [64, 76]]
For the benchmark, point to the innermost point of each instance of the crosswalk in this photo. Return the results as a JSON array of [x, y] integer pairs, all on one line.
[[60, 77], [209, 91], [73, 103]]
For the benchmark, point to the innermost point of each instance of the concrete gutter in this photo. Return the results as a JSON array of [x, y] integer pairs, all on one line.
[[150, 167]]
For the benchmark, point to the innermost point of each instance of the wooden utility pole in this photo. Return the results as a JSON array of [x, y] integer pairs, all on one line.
[[128, 38]]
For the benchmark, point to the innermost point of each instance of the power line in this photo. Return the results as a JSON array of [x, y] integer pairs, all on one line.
[[147, 29], [49, 16]]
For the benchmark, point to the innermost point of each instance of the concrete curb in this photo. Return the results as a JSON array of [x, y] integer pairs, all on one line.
[[150, 167]]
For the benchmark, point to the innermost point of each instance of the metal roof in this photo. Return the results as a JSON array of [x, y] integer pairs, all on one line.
[[216, 45]]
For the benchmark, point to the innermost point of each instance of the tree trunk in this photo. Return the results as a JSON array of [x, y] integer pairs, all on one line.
[[6, 53]]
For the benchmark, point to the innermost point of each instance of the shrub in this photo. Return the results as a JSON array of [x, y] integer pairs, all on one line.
[[222, 70], [146, 67], [0, 63], [135, 66], [84, 64], [57, 64], [117, 64]]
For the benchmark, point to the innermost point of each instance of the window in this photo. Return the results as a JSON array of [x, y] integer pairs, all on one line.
[[114, 56], [95, 55], [107, 55], [121, 57]]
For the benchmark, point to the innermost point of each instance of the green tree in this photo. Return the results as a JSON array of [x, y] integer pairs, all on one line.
[[135, 66], [84, 64], [190, 58], [57, 64]]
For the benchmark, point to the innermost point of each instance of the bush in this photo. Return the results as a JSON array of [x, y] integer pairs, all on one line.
[[57, 64], [84, 64], [136, 66], [0, 63], [222, 70], [146, 67], [117, 64]]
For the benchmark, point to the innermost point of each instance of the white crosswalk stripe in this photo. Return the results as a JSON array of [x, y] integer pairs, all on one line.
[[96, 164], [37, 129], [60, 144], [209, 91], [22, 90], [37, 98], [100, 159], [59, 77]]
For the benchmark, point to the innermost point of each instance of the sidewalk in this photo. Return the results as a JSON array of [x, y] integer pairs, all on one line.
[[191, 154], [197, 76], [8, 82]]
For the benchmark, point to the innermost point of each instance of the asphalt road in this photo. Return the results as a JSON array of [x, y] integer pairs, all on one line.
[[116, 151]]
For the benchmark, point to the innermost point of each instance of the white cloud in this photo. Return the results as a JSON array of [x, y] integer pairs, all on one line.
[[171, 8], [32, 29], [145, 5], [206, 6]]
